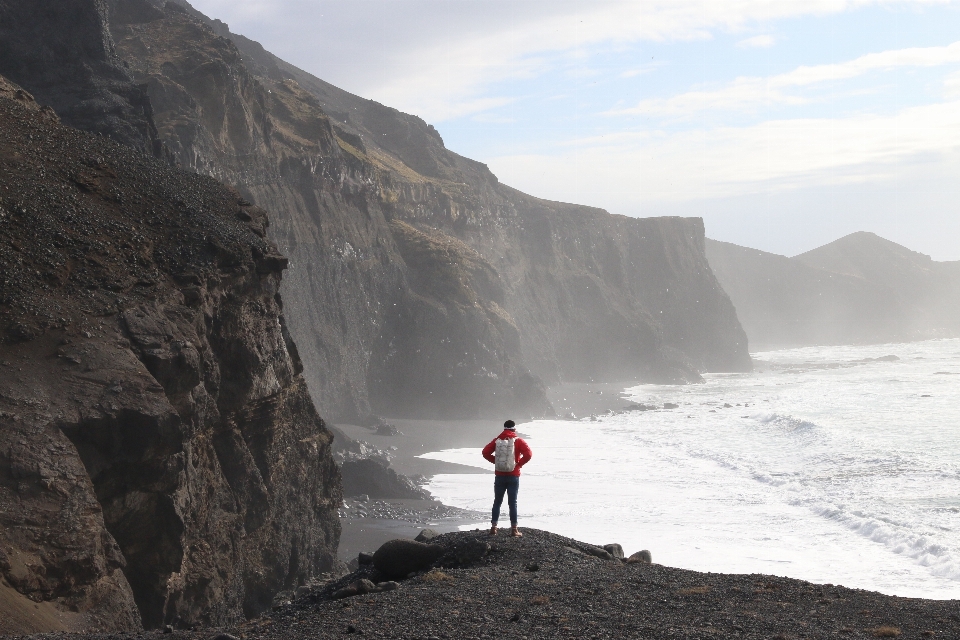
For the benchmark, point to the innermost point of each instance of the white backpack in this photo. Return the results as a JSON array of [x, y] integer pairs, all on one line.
[[505, 458]]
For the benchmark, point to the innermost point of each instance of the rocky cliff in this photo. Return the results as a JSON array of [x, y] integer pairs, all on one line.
[[928, 291], [160, 458], [575, 293], [859, 289], [62, 50]]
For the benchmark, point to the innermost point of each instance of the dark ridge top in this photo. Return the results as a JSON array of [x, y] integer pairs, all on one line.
[[85, 219], [547, 586], [62, 50]]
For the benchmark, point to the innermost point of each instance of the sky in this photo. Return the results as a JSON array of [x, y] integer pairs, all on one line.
[[784, 124]]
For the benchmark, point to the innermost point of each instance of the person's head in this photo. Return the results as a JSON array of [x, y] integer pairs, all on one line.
[[510, 424]]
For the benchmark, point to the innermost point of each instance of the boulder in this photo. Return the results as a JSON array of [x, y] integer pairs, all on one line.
[[640, 557], [615, 550], [396, 559], [597, 552], [425, 535], [364, 557]]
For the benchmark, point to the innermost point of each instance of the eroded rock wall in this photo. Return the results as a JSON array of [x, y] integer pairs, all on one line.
[[356, 309], [160, 457], [585, 295], [63, 52]]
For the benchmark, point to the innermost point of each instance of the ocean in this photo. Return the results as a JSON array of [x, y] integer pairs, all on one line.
[[835, 465]]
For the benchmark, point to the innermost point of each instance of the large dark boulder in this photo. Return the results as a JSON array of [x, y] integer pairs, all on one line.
[[396, 559], [374, 478]]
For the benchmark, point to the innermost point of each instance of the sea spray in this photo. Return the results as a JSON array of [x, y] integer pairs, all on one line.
[[835, 465]]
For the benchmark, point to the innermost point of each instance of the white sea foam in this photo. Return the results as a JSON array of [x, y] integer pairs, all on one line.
[[829, 465]]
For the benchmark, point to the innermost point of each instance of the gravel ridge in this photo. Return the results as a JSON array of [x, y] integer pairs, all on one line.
[[547, 586]]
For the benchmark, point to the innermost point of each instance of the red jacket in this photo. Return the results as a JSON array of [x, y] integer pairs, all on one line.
[[521, 452]]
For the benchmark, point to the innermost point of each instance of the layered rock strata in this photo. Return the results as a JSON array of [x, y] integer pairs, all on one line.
[[565, 292], [572, 293], [161, 460], [62, 50]]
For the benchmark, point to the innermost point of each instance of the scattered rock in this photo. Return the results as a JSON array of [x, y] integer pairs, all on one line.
[[387, 429], [597, 552], [373, 477], [615, 550], [670, 405], [357, 588], [471, 552], [396, 559], [425, 535], [640, 557]]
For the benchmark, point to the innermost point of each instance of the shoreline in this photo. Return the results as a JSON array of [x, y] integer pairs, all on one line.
[[388, 518]]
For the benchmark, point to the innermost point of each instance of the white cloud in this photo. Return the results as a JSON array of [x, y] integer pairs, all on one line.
[[757, 42], [621, 170], [470, 62], [751, 93], [435, 57]]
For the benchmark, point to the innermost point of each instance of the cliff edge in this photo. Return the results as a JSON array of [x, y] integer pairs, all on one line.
[[161, 461]]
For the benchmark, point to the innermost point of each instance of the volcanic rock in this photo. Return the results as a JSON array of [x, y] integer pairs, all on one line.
[[396, 559], [160, 458]]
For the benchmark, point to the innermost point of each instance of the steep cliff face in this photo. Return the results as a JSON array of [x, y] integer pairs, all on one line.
[[353, 306], [62, 50], [160, 457], [592, 296], [581, 294]]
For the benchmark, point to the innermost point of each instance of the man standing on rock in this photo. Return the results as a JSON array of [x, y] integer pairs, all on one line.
[[508, 453]]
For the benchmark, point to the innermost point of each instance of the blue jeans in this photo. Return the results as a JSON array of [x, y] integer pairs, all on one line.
[[509, 485]]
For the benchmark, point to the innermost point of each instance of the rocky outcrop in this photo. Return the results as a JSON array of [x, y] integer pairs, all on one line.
[[860, 289], [160, 458], [565, 292], [62, 50]]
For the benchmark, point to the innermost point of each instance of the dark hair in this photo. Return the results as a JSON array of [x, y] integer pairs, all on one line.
[[509, 424]]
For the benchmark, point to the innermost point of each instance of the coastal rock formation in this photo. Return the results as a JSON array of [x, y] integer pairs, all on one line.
[[860, 289], [543, 590], [355, 311], [62, 50], [564, 293], [161, 461]]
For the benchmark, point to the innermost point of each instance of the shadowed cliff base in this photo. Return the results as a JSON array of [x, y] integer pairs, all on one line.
[[161, 461]]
